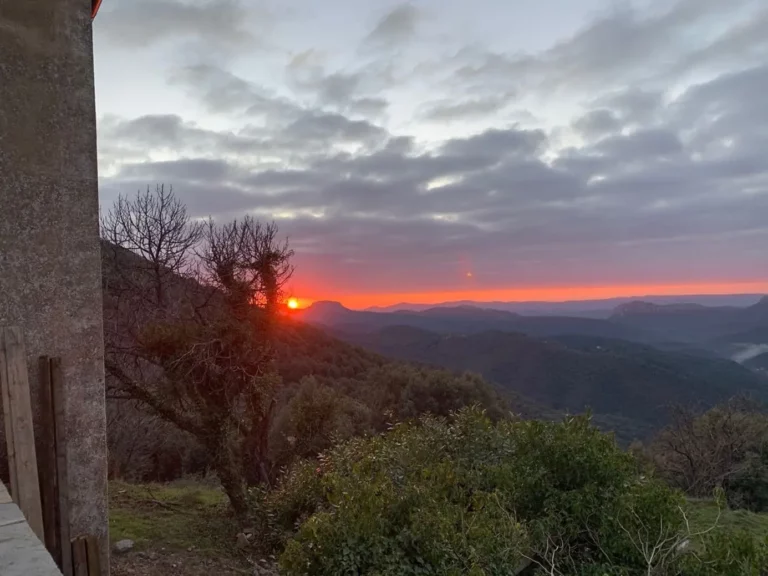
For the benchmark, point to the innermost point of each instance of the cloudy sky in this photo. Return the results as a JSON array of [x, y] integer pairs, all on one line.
[[446, 149]]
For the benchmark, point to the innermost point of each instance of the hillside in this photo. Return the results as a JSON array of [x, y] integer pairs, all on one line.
[[615, 378], [329, 390], [465, 320]]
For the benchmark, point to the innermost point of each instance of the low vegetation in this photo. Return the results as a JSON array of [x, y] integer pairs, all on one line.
[[467, 496], [724, 447], [175, 516]]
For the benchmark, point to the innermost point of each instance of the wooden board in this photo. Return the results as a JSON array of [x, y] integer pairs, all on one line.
[[17, 381], [94, 557], [8, 421], [80, 557], [46, 460], [62, 474]]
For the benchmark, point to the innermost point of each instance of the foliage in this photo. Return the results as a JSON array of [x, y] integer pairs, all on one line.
[[313, 419], [468, 496], [705, 513], [728, 553], [336, 391], [723, 447], [747, 488]]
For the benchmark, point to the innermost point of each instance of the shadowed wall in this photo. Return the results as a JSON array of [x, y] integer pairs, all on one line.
[[50, 271]]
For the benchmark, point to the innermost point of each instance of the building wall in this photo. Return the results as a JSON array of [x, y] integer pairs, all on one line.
[[50, 271]]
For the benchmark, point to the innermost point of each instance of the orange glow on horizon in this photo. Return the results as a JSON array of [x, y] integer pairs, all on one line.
[[540, 294], [293, 303]]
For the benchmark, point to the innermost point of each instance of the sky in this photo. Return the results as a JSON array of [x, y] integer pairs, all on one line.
[[441, 150]]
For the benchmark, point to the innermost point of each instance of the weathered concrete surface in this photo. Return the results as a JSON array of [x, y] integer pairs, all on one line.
[[21, 552], [50, 272]]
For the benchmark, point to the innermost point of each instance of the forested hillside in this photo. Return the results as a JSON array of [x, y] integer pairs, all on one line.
[[634, 383]]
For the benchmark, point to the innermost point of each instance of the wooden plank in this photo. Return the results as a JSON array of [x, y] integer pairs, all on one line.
[[12, 340], [46, 460], [80, 557], [8, 421], [94, 556], [62, 474]]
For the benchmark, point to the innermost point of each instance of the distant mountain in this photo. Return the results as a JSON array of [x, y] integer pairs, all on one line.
[[643, 308], [465, 320], [688, 322], [582, 308], [620, 380]]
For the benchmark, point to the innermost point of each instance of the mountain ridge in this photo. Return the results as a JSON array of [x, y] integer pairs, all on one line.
[[465, 320], [588, 307]]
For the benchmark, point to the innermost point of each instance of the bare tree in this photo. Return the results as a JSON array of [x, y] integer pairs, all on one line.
[[156, 227], [189, 317], [698, 452]]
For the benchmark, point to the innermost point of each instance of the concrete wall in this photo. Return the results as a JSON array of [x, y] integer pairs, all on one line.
[[50, 274]]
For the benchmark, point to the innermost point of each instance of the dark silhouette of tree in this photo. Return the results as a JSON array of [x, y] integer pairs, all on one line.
[[190, 311]]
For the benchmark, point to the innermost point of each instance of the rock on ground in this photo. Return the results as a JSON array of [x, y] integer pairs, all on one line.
[[123, 546]]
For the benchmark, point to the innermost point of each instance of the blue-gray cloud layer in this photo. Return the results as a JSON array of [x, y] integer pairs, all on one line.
[[651, 166]]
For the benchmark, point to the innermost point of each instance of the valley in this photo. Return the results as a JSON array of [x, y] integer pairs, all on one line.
[[629, 369]]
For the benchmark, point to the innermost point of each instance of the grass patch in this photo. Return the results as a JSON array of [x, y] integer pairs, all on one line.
[[703, 514], [173, 516]]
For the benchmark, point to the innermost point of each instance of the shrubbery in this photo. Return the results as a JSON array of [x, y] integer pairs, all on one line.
[[728, 553], [726, 447], [469, 496], [320, 411]]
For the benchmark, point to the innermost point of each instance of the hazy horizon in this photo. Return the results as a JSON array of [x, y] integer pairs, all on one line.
[[585, 305]]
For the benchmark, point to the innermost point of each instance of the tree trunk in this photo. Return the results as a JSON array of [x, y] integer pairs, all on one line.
[[232, 480]]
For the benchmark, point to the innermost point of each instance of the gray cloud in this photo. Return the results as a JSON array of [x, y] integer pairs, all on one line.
[[225, 93], [323, 127], [141, 23], [496, 142], [307, 135], [449, 109], [396, 27], [598, 123], [640, 145], [347, 92], [626, 46], [657, 181]]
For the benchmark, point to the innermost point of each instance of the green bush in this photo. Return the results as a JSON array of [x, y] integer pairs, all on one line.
[[748, 487], [466, 496], [728, 553]]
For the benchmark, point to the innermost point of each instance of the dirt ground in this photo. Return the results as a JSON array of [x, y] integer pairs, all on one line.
[[166, 563], [178, 529]]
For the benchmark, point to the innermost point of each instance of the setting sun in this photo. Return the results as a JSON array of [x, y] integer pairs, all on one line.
[[293, 303]]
